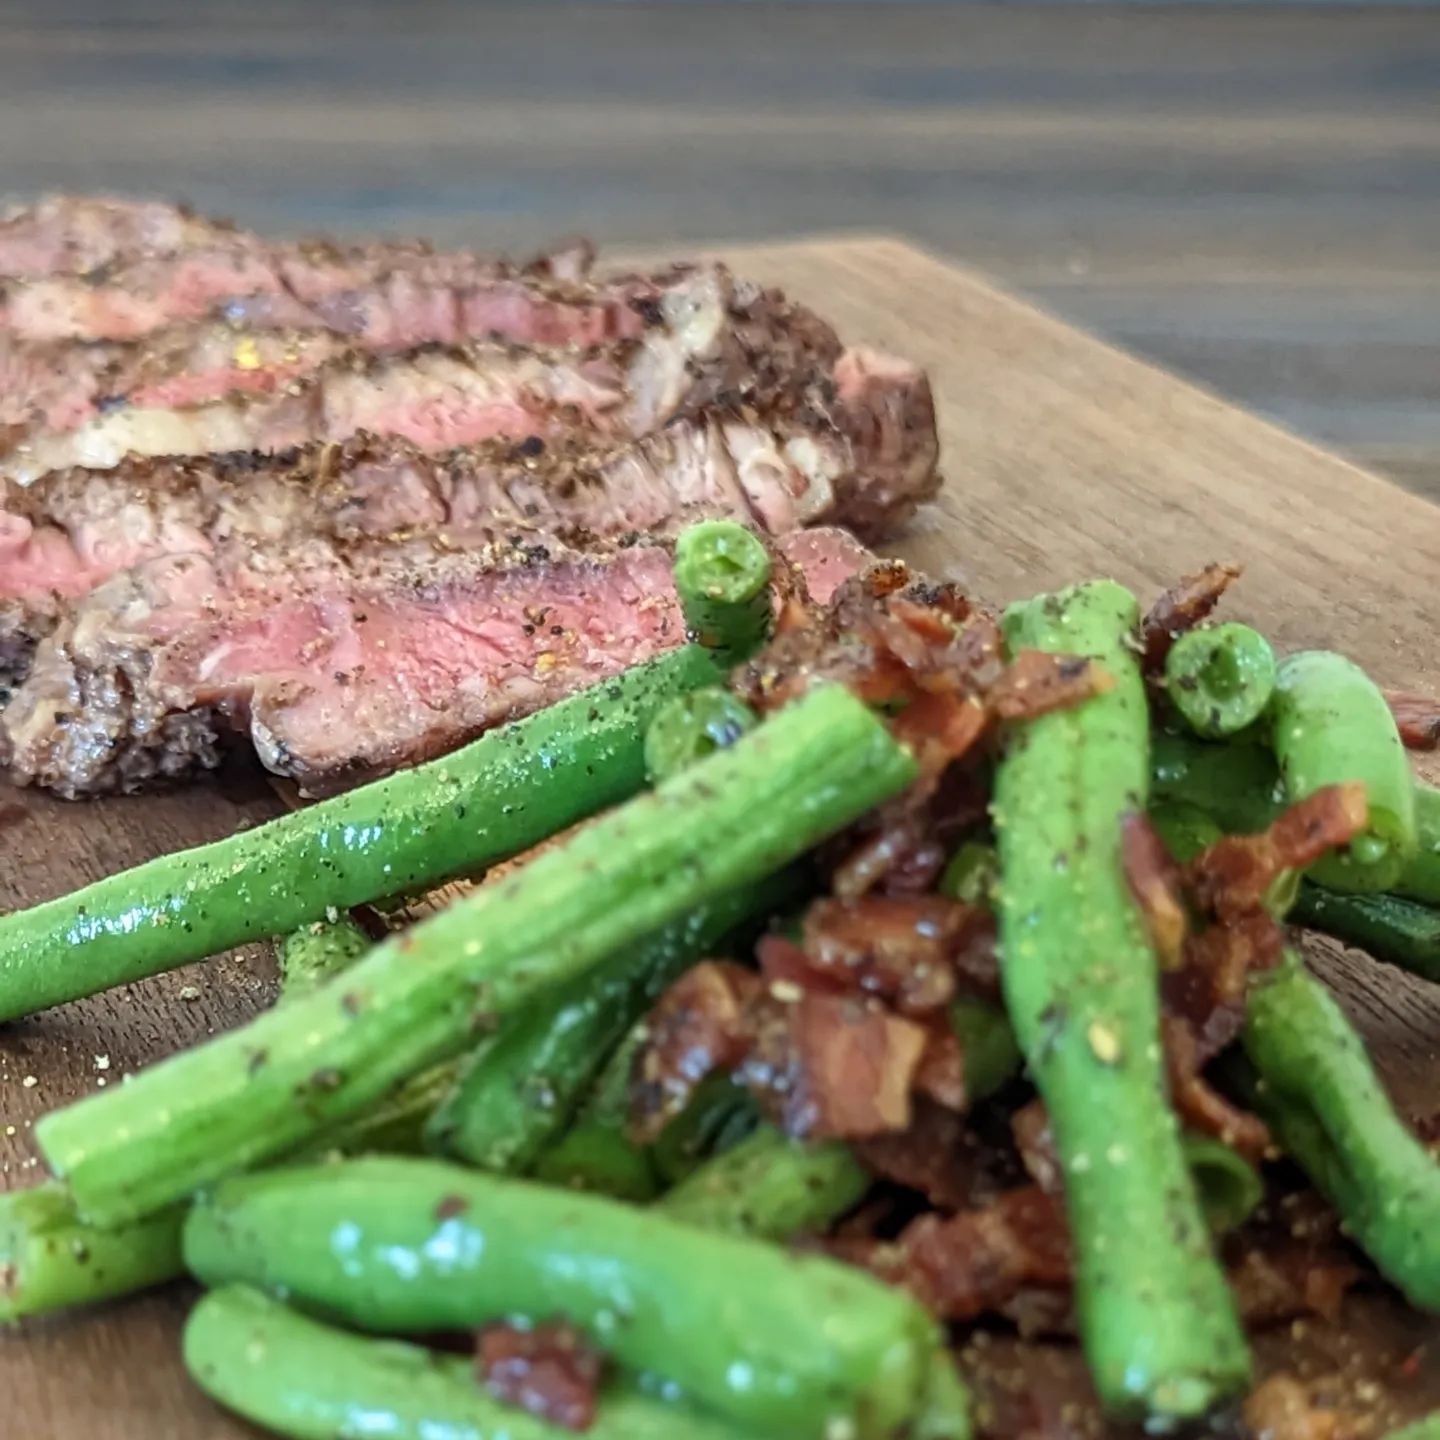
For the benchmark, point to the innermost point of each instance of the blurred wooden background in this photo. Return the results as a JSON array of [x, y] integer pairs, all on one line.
[[1248, 195]]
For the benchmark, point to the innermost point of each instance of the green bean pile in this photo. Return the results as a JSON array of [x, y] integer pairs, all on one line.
[[432, 1133]]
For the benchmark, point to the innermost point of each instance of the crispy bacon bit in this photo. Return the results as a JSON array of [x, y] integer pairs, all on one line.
[[834, 1066], [549, 1371], [1200, 1105], [1230, 877], [1154, 880], [1182, 608], [941, 1075], [940, 728], [1030, 1126], [902, 950], [1208, 991], [1282, 1409], [939, 1155], [899, 857], [1279, 1279], [974, 1262], [1227, 884], [1418, 717], [1036, 682], [787, 967], [701, 1024]]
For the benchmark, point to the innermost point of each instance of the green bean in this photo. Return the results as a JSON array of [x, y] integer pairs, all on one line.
[[395, 1125], [988, 1045], [305, 1380], [596, 1153], [1237, 784], [770, 1188], [310, 955], [722, 573], [1221, 678], [1404, 932], [521, 1088], [499, 795], [1185, 829], [793, 1345], [1229, 1185], [422, 996], [1156, 1318], [718, 1115], [945, 1410], [1330, 724], [51, 1259], [1426, 1429], [1321, 1097], [972, 874], [690, 727], [1420, 879]]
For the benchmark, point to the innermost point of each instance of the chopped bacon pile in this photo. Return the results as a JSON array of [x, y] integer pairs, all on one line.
[[935, 661], [839, 1031], [1418, 717], [1009, 1253], [1182, 607], [1210, 925], [923, 651], [547, 1370]]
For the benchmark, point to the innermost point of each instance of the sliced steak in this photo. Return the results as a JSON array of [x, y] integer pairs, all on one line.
[[339, 662]]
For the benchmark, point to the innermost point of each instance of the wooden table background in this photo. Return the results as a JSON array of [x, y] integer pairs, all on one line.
[[1250, 195]]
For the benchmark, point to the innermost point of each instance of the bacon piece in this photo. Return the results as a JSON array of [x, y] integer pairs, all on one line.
[[1200, 1105], [902, 950], [1036, 682], [1154, 880], [1282, 1408], [549, 1371], [701, 1024], [940, 1155], [833, 1066], [940, 728], [1231, 876], [1279, 1280], [1418, 717], [899, 858], [1208, 991], [1030, 1127], [1182, 608], [971, 1263], [941, 1075]]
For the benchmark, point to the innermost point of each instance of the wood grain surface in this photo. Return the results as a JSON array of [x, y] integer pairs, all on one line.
[[1064, 458], [1248, 194]]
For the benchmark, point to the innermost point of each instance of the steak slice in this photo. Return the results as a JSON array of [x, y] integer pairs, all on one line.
[[88, 270], [343, 664], [74, 235], [74, 528], [382, 296], [706, 339]]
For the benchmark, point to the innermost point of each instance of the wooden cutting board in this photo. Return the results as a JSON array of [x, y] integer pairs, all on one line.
[[1064, 458]]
